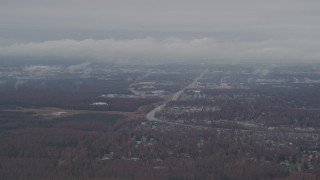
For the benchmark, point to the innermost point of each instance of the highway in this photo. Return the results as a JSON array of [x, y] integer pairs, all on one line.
[[151, 115]]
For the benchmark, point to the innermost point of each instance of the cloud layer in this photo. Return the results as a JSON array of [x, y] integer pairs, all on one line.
[[51, 20], [255, 15], [233, 30], [171, 49]]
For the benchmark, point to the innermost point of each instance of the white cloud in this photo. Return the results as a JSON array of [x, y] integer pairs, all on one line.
[[149, 49], [40, 69], [82, 67]]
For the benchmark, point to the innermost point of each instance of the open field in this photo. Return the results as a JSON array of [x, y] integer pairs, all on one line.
[[52, 113]]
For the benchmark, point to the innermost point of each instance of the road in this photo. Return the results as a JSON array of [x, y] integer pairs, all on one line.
[[151, 115]]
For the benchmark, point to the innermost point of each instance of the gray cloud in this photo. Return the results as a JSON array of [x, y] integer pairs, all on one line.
[[234, 29], [148, 49], [265, 16]]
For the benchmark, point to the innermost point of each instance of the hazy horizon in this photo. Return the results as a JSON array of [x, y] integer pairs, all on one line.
[[144, 30]]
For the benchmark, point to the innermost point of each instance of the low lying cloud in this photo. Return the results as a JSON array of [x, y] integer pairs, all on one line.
[[171, 49], [19, 83], [83, 67], [39, 69]]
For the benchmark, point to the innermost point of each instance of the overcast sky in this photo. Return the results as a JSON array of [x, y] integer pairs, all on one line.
[[228, 30]]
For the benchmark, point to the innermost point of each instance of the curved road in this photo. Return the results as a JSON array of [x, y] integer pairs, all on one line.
[[151, 115]]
